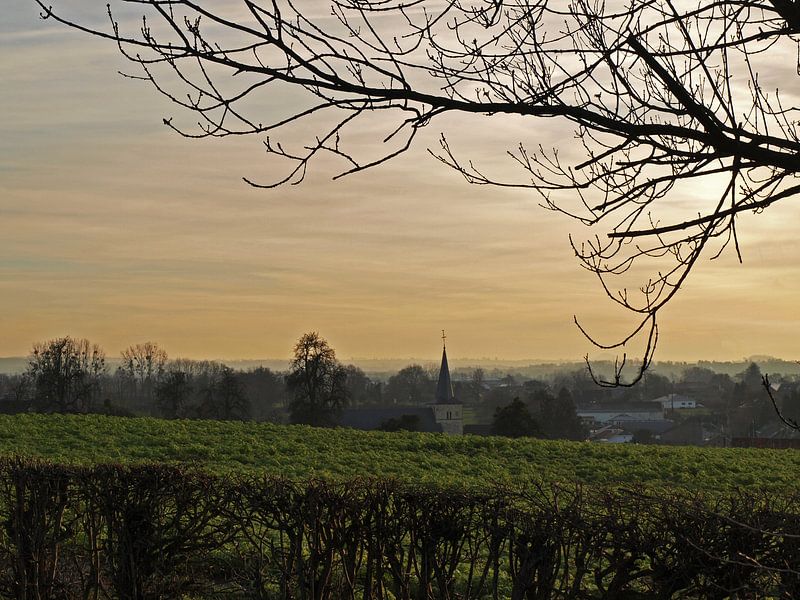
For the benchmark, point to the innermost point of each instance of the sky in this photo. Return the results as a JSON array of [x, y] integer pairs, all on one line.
[[116, 229]]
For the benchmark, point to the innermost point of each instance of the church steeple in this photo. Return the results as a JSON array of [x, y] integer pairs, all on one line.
[[444, 388]]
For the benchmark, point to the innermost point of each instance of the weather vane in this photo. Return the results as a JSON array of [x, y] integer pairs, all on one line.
[[444, 337]]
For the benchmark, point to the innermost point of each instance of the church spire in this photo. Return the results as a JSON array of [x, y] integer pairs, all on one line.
[[444, 389]]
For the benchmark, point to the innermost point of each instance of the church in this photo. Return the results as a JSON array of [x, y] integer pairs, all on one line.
[[444, 415], [447, 410]]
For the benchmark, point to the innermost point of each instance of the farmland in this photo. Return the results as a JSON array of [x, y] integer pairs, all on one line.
[[300, 452], [83, 528]]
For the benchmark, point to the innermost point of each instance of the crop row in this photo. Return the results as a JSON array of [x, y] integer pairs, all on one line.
[[301, 452]]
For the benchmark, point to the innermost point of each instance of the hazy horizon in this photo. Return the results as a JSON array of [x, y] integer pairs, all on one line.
[[454, 360]]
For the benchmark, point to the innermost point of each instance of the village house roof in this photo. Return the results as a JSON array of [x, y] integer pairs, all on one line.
[[670, 398], [656, 427], [374, 418], [620, 407]]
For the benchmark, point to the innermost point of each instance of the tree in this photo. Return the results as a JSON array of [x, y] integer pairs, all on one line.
[[791, 400], [144, 364], [317, 382], [662, 96], [361, 390], [495, 398], [267, 391], [654, 386], [15, 392], [172, 392], [514, 420], [643, 436], [411, 385], [65, 374], [707, 387], [559, 418], [224, 398], [476, 383], [790, 421], [581, 386], [751, 379]]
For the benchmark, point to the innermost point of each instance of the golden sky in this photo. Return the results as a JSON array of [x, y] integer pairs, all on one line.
[[115, 229]]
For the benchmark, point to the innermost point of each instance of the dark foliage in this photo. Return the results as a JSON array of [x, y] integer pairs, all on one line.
[[412, 385], [65, 374], [559, 417], [317, 382], [172, 393], [515, 420], [147, 532], [402, 423], [225, 398]]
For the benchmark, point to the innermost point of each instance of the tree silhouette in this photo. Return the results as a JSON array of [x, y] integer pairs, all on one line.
[[514, 420], [317, 382], [143, 365], [224, 398], [411, 385], [558, 417], [65, 374], [172, 392], [664, 98]]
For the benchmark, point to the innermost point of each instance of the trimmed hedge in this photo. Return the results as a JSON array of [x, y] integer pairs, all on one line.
[[154, 531]]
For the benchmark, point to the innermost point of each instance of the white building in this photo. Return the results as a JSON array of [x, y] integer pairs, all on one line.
[[620, 413], [675, 402]]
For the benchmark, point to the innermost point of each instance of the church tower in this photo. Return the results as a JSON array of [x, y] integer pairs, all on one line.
[[447, 411]]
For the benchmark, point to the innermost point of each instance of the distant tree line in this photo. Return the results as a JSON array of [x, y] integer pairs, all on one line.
[[546, 415], [71, 375], [735, 405]]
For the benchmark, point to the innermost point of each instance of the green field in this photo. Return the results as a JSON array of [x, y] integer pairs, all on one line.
[[302, 452]]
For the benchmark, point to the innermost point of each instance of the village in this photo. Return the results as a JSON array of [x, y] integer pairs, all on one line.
[[735, 411]]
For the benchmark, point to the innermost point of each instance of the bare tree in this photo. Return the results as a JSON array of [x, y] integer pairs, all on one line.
[[144, 365], [65, 374], [317, 382], [172, 392], [790, 422], [663, 96]]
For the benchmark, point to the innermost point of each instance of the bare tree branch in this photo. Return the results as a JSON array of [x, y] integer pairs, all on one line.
[[664, 98]]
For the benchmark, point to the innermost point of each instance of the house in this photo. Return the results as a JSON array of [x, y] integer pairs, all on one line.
[[619, 412], [612, 435], [675, 402], [655, 427], [629, 430]]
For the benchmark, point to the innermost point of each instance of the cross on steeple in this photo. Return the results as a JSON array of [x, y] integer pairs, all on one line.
[[444, 337]]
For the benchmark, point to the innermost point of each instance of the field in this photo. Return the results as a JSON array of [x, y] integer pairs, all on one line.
[[719, 523], [300, 452]]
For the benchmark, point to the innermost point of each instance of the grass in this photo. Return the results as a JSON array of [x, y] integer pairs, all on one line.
[[302, 452]]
